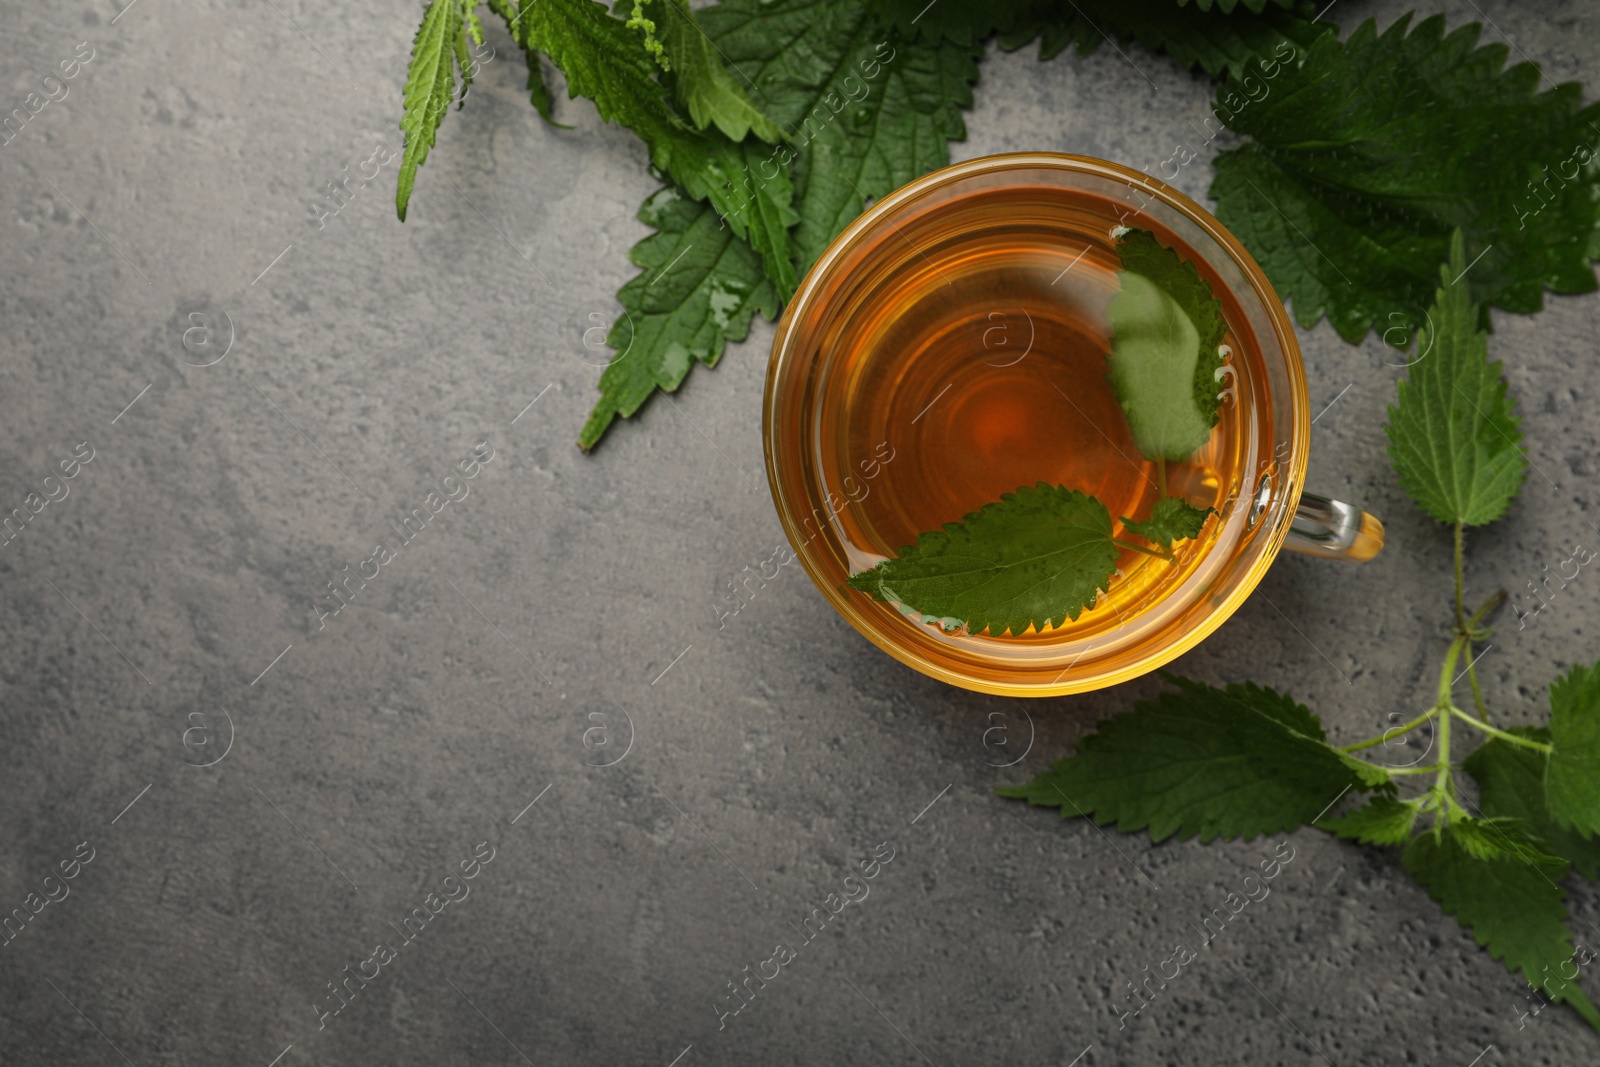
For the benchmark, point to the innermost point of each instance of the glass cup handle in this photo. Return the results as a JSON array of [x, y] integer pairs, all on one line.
[[1334, 530]]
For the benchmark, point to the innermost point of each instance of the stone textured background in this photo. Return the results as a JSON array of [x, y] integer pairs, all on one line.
[[375, 753]]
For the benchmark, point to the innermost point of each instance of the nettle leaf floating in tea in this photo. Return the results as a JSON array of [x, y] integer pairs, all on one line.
[[1034, 558], [1167, 330], [1041, 555], [1171, 519]]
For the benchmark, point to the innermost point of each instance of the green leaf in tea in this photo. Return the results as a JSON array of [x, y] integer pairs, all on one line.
[[1452, 437], [1166, 333], [1383, 820], [1514, 908], [1171, 519], [1034, 558], [1234, 762], [1572, 779], [1364, 158], [1511, 784]]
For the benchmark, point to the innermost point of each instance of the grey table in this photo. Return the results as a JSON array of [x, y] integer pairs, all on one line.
[[256, 799]]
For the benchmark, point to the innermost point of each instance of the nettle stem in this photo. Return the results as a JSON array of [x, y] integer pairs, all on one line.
[[1443, 783], [1393, 732], [1524, 742], [1468, 628], [1168, 556]]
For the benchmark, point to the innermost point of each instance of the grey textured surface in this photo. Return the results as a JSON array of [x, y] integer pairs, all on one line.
[[771, 757]]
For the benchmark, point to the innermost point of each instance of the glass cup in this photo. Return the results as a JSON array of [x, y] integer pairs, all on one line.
[[978, 231]]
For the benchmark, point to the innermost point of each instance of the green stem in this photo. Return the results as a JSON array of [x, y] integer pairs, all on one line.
[[1161, 475], [1537, 746], [1468, 627], [1431, 768], [1392, 732], [1477, 690], [1461, 614], [1168, 556], [1489, 605], [1443, 783], [1446, 674]]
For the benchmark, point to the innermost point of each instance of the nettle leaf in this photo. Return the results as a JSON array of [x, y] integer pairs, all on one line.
[[1502, 838], [1511, 784], [602, 60], [1248, 45], [699, 288], [1367, 156], [866, 111], [1572, 779], [1215, 762], [1034, 558], [1229, 5], [1383, 821], [1215, 37], [1166, 327], [704, 86], [1453, 438], [430, 86], [1515, 909], [538, 89], [1171, 519]]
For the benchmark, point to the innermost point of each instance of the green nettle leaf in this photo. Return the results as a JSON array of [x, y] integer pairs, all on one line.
[[703, 84], [1383, 821], [1229, 5], [1166, 328], [1225, 36], [1171, 519], [1234, 762], [1366, 157], [430, 86], [864, 113], [1511, 785], [699, 289], [538, 89], [864, 110], [1493, 839], [1035, 558], [602, 60], [1453, 438], [1572, 779], [1515, 909]]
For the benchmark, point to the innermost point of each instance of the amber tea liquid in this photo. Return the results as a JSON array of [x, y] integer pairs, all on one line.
[[974, 343]]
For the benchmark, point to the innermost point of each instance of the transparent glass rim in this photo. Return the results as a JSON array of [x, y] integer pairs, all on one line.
[[788, 499]]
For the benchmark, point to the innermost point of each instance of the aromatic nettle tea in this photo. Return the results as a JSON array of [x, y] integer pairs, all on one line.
[[1070, 404]]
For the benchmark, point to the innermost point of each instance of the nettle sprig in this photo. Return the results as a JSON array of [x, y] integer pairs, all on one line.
[[1043, 554], [1245, 760], [773, 123]]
